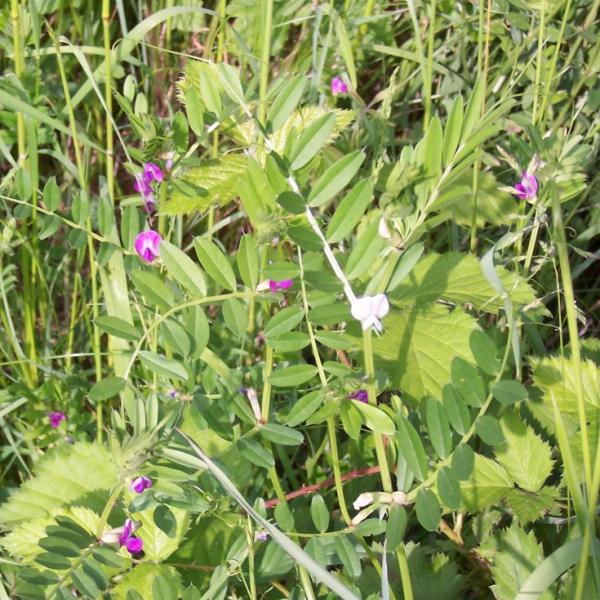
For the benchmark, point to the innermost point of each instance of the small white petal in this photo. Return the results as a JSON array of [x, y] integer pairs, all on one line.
[[381, 306], [263, 286], [383, 229], [363, 500], [362, 308]]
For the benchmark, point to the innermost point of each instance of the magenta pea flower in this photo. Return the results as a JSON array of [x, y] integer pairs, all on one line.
[[147, 245], [132, 543], [141, 483], [360, 395], [527, 188], [56, 418], [143, 185], [152, 172], [279, 286], [338, 86]]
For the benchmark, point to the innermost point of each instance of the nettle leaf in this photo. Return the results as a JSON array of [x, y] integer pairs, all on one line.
[[142, 578], [529, 506], [487, 484], [81, 473], [433, 577], [514, 554], [524, 455], [417, 348], [162, 533], [217, 181], [458, 278]]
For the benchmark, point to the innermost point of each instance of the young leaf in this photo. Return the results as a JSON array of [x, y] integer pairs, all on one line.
[[428, 509], [287, 100], [311, 140], [349, 211], [335, 178], [183, 269], [215, 263], [453, 130]]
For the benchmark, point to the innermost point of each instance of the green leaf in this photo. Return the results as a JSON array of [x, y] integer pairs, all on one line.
[[488, 430], [183, 269], [286, 102], [292, 376], [231, 82], [208, 88], [375, 419], [304, 408], [215, 263], [408, 259], [60, 546], [453, 129], [467, 382], [291, 202], [456, 409], [118, 328], [106, 388], [417, 348], [463, 461], [51, 194], [198, 327], [235, 314], [473, 111], [176, 337], [194, 110], [153, 288], [247, 261], [256, 454], [85, 583], [163, 366], [349, 211], [335, 178], [428, 509], [345, 48], [438, 427], [458, 278], [411, 448], [319, 513], [485, 352], [165, 520], [529, 506], [140, 580], [432, 142], [515, 555], [348, 555], [509, 391], [53, 561], [366, 251], [526, 458], [289, 342], [284, 321], [333, 339], [280, 434], [311, 140], [487, 484], [180, 132], [449, 488], [109, 557], [396, 526]]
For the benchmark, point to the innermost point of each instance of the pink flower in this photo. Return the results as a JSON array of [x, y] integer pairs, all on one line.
[[141, 483], [528, 186], [143, 185], [147, 245], [360, 395], [132, 543], [338, 86], [279, 286], [153, 172], [56, 418]]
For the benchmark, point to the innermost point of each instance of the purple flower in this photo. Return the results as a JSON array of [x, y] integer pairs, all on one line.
[[132, 543], [261, 536], [338, 86], [141, 483], [360, 395], [279, 286], [528, 186], [152, 172], [172, 393], [56, 418], [147, 245]]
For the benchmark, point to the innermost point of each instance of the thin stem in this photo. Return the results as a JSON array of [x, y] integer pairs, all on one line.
[[540, 62], [265, 53], [429, 74]]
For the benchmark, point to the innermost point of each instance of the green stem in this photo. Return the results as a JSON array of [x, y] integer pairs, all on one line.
[[540, 62], [429, 73], [265, 53]]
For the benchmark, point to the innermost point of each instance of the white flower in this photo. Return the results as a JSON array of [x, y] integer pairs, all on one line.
[[363, 500], [369, 309], [383, 229]]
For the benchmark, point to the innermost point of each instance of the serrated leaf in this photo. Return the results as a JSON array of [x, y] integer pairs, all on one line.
[[215, 263], [183, 269], [524, 455], [487, 484], [349, 211], [335, 178], [163, 366]]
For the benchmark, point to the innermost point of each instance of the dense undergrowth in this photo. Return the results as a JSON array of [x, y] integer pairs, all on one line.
[[299, 299]]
